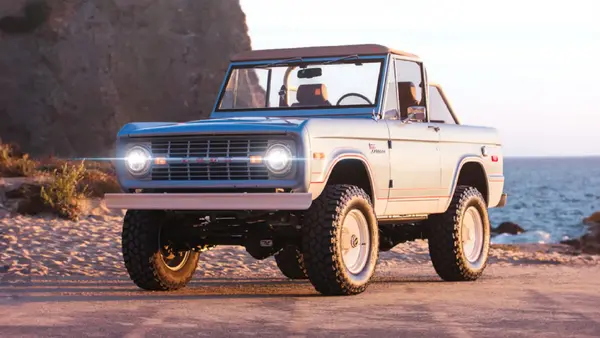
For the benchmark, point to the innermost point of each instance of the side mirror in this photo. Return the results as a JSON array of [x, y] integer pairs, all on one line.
[[415, 113]]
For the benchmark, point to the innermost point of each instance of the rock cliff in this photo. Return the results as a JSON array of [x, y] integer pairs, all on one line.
[[72, 72], [590, 242]]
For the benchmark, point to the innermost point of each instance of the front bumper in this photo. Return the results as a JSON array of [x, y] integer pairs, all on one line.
[[209, 202]]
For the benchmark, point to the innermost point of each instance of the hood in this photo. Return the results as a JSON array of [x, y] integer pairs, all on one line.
[[234, 125]]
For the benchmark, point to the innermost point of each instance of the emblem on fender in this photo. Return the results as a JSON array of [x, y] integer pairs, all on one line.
[[374, 149]]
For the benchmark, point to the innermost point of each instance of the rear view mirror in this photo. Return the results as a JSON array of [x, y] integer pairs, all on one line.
[[309, 73]]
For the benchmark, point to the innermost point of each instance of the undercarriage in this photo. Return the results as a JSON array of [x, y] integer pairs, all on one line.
[[262, 234]]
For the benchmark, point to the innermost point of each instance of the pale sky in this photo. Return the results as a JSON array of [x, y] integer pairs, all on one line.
[[530, 68]]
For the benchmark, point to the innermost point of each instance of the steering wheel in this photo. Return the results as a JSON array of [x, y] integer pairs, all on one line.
[[353, 94]]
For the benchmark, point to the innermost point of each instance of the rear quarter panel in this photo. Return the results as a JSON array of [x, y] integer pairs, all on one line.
[[460, 144]]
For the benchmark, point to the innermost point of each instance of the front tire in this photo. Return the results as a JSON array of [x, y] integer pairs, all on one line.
[[290, 262], [149, 264], [459, 239], [340, 240]]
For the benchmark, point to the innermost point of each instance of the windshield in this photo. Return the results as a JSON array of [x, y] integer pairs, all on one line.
[[341, 84]]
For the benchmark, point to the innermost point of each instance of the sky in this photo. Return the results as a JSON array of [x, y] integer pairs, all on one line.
[[529, 68]]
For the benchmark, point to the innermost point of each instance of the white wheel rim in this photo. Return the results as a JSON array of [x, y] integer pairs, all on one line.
[[173, 261], [472, 234], [355, 241]]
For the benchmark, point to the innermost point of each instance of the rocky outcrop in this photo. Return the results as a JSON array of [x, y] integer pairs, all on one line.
[[3, 197], [590, 242], [35, 13], [508, 228], [594, 219], [72, 72]]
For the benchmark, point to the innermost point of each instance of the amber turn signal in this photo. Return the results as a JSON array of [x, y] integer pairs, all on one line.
[[160, 161], [256, 159]]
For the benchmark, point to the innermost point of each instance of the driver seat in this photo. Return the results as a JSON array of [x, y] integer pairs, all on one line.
[[407, 94], [311, 95]]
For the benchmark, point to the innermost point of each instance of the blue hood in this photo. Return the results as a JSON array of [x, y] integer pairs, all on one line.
[[234, 125]]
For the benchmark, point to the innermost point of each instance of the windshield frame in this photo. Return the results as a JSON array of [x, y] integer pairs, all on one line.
[[270, 111]]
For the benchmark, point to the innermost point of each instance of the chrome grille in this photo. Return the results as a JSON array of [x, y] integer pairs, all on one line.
[[204, 159]]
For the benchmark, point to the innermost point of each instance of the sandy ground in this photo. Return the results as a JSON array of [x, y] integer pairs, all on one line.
[[38, 246], [60, 278]]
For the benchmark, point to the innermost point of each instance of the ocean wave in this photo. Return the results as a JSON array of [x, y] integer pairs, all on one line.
[[548, 197], [537, 236]]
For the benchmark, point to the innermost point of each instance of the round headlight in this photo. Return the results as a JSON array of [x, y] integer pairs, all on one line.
[[138, 160], [279, 159]]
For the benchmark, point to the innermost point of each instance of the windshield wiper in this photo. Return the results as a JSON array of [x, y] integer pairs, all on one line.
[[281, 62], [348, 57]]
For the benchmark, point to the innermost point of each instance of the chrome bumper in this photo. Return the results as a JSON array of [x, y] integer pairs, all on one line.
[[502, 202], [209, 202]]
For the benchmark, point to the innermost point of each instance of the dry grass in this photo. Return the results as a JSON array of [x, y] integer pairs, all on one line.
[[97, 183], [101, 166], [67, 182], [15, 164], [52, 163], [63, 192]]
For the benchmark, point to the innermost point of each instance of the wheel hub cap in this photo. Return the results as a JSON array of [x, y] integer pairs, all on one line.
[[355, 241], [173, 260], [472, 234]]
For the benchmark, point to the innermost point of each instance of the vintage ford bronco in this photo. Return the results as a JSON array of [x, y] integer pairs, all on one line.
[[321, 157]]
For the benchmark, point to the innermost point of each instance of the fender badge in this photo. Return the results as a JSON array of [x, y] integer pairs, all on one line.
[[374, 149]]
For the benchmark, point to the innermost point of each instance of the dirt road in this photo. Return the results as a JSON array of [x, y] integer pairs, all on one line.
[[532, 301]]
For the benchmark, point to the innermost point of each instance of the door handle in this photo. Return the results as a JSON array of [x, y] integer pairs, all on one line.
[[436, 128]]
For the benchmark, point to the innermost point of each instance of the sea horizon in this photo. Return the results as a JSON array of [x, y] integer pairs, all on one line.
[[550, 156]]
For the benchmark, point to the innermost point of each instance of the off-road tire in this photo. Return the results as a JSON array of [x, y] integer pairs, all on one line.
[[142, 255], [445, 237], [321, 244], [291, 262]]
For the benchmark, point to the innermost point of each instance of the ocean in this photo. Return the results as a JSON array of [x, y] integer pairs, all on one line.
[[548, 197]]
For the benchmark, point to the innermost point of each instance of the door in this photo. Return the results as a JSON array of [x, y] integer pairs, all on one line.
[[414, 155]]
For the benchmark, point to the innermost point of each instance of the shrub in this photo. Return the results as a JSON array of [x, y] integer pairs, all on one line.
[[98, 178], [105, 167], [66, 184], [52, 163], [98, 183], [63, 191], [15, 164]]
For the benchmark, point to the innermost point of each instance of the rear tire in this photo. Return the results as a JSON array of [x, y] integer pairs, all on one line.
[[459, 239], [291, 262], [340, 241], [149, 265]]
